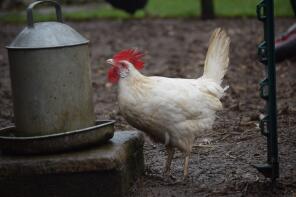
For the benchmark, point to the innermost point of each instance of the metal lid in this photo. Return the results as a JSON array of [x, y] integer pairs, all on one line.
[[46, 34]]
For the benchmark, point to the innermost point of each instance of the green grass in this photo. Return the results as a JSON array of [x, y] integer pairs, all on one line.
[[173, 8], [231, 8], [224, 8], [161, 8]]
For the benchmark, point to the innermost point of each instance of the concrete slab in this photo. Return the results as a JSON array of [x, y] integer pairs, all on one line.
[[106, 170]]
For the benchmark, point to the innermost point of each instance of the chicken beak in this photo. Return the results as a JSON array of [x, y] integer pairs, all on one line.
[[110, 61]]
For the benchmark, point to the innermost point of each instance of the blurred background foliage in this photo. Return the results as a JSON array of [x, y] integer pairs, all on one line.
[[13, 11]]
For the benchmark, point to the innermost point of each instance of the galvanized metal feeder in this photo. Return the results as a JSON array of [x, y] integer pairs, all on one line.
[[52, 93]]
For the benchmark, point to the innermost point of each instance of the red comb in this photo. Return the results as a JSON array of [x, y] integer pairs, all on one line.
[[131, 55]]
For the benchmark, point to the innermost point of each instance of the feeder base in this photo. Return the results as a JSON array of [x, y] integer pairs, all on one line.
[[106, 170]]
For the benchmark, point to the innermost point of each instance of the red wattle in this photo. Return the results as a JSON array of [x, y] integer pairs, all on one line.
[[113, 75]]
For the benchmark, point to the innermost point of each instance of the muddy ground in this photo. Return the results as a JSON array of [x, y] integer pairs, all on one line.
[[221, 160]]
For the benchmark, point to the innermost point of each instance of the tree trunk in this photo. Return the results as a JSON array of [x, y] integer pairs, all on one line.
[[293, 3], [207, 9]]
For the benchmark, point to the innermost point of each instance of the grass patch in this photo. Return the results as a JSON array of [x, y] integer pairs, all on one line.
[[160, 9], [232, 8], [173, 8]]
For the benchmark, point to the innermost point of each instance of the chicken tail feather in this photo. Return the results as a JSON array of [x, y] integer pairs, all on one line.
[[217, 58]]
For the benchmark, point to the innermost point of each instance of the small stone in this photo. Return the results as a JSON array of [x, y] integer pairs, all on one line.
[[206, 141], [245, 119]]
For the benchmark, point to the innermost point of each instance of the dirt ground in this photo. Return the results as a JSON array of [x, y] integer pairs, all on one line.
[[221, 160]]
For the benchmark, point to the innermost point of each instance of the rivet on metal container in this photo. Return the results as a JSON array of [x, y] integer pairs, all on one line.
[[50, 75]]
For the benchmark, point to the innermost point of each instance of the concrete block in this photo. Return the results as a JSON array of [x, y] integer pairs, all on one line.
[[106, 170]]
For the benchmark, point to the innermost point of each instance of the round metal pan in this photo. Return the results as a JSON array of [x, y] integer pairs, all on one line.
[[58, 142]]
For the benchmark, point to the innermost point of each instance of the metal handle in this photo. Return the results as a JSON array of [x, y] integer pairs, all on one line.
[[32, 5]]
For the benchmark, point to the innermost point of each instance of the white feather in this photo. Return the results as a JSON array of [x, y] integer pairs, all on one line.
[[172, 110]]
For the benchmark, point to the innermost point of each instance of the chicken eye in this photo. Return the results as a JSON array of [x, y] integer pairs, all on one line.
[[123, 65]]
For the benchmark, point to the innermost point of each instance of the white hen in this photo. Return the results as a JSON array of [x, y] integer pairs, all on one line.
[[172, 111]]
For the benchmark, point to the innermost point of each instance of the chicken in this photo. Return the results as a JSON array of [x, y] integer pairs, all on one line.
[[172, 111], [130, 6]]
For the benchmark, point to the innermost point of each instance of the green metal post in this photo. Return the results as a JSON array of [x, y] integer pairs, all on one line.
[[268, 125]]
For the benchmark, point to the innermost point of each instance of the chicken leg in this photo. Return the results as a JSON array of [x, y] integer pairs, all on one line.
[[167, 168], [186, 165]]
